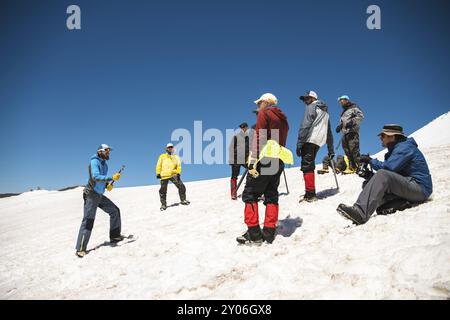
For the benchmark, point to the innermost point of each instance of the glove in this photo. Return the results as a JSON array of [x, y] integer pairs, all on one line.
[[299, 152], [109, 187], [250, 162], [339, 128], [253, 172], [365, 158], [349, 125], [158, 176], [116, 176], [331, 155]]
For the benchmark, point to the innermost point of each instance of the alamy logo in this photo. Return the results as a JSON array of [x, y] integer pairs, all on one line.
[[73, 21], [238, 145], [374, 20]]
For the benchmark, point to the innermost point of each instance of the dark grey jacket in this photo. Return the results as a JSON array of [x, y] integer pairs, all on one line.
[[351, 118]]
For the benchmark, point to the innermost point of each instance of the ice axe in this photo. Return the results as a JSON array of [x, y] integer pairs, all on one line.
[[334, 173], [285, 181], [242, 179], [120, 171]]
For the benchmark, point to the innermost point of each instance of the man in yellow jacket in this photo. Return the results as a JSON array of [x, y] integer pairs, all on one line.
[[168, 169]]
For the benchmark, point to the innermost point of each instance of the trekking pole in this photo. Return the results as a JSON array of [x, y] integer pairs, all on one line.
[[242, 179], [334, 172], [285, 181]]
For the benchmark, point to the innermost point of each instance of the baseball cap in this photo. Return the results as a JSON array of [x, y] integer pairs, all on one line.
[[267, 97], [343, 97], [308, 94], [103, 147]]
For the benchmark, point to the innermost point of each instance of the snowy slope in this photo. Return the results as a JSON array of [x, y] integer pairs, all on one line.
[[434, 134], [190, 252]]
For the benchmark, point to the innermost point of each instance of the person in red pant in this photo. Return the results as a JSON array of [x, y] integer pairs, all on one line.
[[314, 132], [265, 167], [238, 154]]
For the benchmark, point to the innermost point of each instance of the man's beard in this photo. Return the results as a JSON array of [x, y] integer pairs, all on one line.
[[104, 156]]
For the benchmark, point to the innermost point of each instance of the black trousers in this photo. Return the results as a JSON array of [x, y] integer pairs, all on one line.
[[236, 170], [176, 180], [309, 153], [265, 184], [350, 144]]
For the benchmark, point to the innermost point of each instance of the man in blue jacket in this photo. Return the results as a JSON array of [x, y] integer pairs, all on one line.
[[94, 198], [402, 180]]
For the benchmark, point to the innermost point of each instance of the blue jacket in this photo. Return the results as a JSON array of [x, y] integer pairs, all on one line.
[[98, 174], [406, 159]]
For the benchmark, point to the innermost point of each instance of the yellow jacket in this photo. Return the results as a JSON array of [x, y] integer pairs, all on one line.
[[168, 166], [273, 150]]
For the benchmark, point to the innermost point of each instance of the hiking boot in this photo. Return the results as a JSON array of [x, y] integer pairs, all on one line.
[[80, 254], [322, 171], [163, 207], [185, 202], [268, 234], [253, 236], [117, 239], [309, 197], [351, 213], [349, 170], [393, 206]]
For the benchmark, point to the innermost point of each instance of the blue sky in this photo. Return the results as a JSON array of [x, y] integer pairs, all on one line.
[[137, 70]]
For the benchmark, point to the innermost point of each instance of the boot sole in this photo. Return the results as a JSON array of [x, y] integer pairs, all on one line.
[[346, 215], [249, 243], [388, 211], [308, 200], [80, 256]]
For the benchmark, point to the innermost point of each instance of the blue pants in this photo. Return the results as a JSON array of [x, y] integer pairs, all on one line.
[[92, 201]]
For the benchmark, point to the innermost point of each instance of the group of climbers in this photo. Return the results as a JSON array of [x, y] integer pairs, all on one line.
[[401, 181]]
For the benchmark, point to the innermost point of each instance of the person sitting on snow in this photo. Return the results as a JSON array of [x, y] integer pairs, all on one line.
[[168, 168], [402, 180]]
